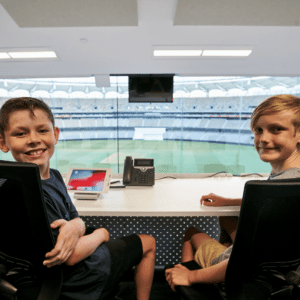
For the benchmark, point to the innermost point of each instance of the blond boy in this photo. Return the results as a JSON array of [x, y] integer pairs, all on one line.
[[275, 124]]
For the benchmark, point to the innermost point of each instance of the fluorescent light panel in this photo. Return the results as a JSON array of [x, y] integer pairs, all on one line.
[[33, 54], [4, 55], [27, 54], [177, 52], [226, 52], [188, 53]]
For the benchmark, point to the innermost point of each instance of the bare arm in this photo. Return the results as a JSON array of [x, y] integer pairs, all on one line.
[[87, 245], [69, 233], [213, 274], [215, 200], [180, 275]]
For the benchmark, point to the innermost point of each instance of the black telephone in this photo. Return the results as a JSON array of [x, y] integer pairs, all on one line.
[[139, 173]]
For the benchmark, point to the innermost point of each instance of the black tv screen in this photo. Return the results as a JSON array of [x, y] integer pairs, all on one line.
[[151, 88]]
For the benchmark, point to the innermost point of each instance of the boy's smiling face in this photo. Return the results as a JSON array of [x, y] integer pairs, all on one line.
[[276, 140], [31, 139]]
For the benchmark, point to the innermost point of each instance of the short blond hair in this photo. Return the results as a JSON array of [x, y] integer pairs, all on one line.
[[276, 104]]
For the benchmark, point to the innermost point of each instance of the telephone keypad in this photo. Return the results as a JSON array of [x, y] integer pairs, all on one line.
[[143, 178]]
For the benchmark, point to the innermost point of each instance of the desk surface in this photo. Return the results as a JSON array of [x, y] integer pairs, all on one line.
[[168, 197]]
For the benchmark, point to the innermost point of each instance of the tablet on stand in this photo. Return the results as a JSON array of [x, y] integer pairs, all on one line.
[[86, 196], [88, 184]]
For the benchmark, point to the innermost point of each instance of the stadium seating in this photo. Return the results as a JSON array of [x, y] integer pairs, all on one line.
[[214, 119]]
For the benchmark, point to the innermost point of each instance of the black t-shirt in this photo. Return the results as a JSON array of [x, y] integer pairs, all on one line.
[[86, 279]]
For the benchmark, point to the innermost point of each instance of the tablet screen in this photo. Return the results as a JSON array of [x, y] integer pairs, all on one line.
[[86, 180]]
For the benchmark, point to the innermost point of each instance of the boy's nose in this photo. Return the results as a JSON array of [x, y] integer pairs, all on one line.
[[265, 137], [33, 138]]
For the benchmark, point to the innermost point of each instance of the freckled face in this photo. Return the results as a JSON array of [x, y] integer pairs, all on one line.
[[276, 140], [31, 138]]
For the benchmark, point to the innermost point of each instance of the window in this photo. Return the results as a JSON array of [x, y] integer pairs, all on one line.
[[205, 129]]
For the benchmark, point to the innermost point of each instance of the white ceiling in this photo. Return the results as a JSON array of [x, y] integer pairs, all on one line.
[[118, 36]]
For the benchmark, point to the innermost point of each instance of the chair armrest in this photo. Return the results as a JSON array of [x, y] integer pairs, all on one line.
[[7, 288], [196, 291]]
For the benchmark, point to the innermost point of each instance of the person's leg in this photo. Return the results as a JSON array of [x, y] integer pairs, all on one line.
[[228, 226], [187, 253], [198, 239], [192, 239], [126, 253], [144, 271]]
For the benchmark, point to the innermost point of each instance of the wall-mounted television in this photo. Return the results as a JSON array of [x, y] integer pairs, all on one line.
[[151, 88]]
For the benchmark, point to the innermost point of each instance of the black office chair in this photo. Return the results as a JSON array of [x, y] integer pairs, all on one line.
[[266, 245], [25, 236]]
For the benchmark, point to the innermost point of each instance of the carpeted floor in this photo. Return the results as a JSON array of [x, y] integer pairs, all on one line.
[[160, 291], [160, 288]]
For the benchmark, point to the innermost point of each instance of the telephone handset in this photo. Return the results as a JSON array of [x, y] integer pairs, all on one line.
[[127, 170], [139, 173]]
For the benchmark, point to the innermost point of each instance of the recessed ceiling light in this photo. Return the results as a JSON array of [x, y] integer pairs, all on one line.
[[226, 52], [33, 54], [4, 55], [177, 52]]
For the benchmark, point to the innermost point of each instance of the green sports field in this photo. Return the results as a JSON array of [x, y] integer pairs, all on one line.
[[169, 156]]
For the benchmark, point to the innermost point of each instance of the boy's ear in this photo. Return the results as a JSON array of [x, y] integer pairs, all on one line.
[[3, 145], [297, 135], [56, 134]]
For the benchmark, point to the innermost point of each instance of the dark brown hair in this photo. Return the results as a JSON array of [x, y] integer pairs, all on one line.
[[22, 103]]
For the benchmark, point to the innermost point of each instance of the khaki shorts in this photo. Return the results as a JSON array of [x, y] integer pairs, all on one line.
[[207, 251]]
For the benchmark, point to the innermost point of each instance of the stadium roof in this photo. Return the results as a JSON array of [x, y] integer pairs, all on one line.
[[195, 87]]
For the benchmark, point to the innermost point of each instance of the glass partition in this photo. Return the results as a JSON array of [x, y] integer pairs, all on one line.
[[205, 130]]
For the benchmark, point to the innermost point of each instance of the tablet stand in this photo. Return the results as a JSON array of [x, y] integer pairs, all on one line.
[[86, 196]]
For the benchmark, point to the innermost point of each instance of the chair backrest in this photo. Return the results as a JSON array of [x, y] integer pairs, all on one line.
[[268, 230], [25, 230]]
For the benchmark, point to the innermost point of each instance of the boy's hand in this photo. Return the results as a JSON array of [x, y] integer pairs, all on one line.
[[65, 244], [179, 275], [214, 200]]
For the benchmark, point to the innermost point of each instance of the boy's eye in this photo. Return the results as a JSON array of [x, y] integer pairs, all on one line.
[[257, 130], [19, 133], [277, 129]]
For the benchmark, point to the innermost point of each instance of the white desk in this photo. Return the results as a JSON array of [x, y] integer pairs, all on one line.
[[164, 211], [168, 197]]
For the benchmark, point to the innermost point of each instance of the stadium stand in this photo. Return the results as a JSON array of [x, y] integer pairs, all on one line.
[[135, 122], [59, 123], [166, 122], [88, 123], [216, 123], [99, 122], [233, 124], [71, 123], [217, 129], [246, 125], [216, 119]]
